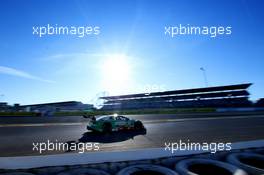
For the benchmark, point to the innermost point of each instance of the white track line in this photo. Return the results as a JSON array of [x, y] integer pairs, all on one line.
[[40, 124], [203, 118]]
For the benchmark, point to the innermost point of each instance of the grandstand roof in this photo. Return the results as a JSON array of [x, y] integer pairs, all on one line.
[[208, 90], [55, 103]]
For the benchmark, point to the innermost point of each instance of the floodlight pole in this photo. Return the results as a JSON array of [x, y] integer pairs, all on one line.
[[205, 76]]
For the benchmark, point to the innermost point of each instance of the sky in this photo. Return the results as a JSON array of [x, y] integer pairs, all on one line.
[[131, 53]]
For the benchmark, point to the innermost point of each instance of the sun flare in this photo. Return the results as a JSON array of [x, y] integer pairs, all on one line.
[[116, 73]]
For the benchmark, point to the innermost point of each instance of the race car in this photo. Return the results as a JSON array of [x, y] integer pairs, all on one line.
[[109, 123]]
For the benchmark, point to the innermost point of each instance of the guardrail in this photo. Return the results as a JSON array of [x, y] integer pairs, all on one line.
[[19, 114]]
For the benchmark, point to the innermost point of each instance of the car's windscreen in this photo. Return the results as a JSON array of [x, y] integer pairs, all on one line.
[[102, 118]]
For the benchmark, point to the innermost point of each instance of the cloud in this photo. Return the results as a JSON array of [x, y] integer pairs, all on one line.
[[78, 55], [69, 56], [19, 73]]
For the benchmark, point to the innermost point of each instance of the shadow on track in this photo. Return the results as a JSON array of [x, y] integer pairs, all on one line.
[[117, 136], [96, 137]]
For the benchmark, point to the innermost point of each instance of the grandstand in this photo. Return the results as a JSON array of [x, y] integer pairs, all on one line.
[[56, 107], [260, 103], [219, 96]]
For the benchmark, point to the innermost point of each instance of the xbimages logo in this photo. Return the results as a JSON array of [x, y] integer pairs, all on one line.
[[79, 31], [61, 146], [194, 146], [212, 31]]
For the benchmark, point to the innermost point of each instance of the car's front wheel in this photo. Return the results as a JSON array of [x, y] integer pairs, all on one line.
[[138, 125]]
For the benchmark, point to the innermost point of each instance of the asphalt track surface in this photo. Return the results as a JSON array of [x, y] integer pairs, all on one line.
[[18, 139]]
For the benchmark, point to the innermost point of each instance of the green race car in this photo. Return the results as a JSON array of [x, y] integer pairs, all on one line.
[[109, 123]]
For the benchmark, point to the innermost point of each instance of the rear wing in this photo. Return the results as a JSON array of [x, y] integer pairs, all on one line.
[[91, 117]]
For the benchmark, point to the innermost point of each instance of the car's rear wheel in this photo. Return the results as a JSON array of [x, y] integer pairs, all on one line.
[[107, 128], [138, 125]]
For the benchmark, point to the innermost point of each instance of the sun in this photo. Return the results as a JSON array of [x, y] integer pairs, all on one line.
[[116, 73]]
